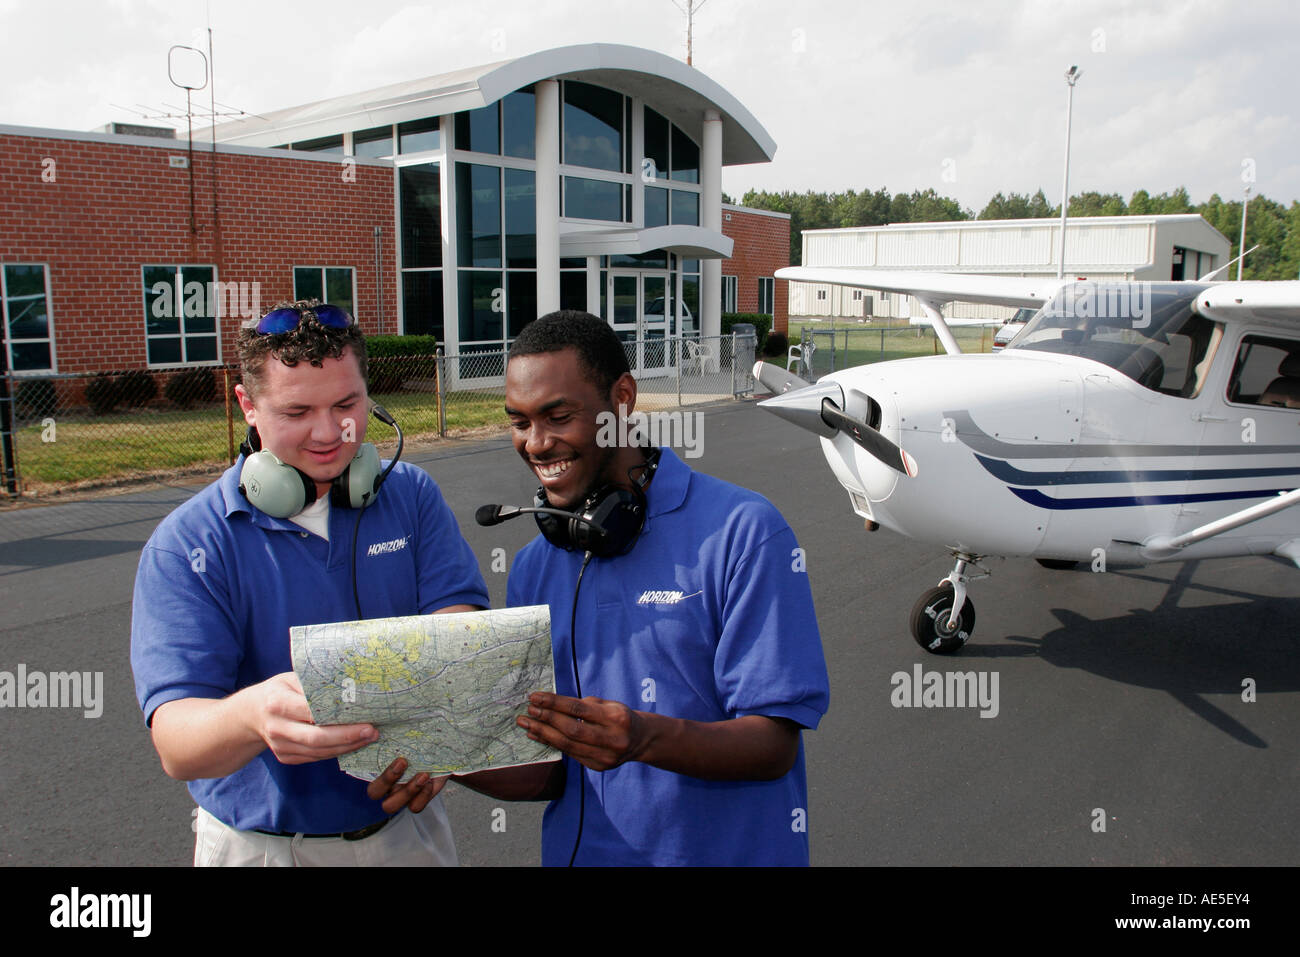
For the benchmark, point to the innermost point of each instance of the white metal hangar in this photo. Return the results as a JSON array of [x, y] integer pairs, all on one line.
[[1154, 248]]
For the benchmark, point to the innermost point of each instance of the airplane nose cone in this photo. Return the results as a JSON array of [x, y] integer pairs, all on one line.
[[803, 407]]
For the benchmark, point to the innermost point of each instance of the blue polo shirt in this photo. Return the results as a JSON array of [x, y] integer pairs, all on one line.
[[709, 617], [219, 585]]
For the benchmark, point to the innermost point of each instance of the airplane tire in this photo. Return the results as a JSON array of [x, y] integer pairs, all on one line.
[[930, 621], [1057, 564]]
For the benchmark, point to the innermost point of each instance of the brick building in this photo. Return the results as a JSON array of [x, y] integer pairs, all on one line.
[[762, 241], [103, 270]]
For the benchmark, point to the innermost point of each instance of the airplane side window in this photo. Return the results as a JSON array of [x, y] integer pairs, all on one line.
[[1266, 373]]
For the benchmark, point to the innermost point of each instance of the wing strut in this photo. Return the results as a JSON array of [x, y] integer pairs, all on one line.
[[1163, 546], [940, 325]]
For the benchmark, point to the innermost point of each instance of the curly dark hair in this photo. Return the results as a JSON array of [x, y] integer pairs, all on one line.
[[310, 342], [600, 352]]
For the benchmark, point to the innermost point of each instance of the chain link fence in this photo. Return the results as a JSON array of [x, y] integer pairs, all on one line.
[[69, 431], [816, 350]]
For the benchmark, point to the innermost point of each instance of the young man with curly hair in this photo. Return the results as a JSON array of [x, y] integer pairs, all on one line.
[[226, 575]]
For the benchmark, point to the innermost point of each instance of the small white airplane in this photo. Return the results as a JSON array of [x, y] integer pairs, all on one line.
[[1127, 423]]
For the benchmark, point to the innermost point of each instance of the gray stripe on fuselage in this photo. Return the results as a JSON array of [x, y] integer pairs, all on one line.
[[976, 439]]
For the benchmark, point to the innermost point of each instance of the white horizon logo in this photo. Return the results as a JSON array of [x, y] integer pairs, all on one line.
[[664, 596]]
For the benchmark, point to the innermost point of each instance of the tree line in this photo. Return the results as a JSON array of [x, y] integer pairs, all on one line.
[[1272, 225]]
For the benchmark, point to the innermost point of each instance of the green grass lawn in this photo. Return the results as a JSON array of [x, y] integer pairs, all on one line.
[[91, 448]]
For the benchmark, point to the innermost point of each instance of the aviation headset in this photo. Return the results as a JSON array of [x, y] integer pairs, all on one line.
[[282, 490], [609, 520]]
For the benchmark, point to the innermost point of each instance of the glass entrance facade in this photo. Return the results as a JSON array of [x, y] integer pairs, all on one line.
[[467, 201]]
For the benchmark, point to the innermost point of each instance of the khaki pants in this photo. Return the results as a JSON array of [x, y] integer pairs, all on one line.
[[409, 840]]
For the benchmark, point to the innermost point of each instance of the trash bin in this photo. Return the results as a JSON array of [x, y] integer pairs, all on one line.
[[746, 342]]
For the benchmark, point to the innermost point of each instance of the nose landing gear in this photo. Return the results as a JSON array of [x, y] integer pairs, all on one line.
[[943, 618]]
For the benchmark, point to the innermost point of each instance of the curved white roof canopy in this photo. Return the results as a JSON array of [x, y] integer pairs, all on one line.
[[689, 242], [679, 92]]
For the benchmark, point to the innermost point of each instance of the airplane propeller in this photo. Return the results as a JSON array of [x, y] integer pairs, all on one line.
[[820, 409]]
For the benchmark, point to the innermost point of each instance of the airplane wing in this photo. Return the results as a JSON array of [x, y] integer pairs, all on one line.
[[938, 287], [933, 289], [1257, 300]]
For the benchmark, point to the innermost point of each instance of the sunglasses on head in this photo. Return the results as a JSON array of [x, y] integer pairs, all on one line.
[[289, 318]]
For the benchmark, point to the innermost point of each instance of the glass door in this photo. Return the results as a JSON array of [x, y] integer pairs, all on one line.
[[656, 324], [643, 315], [625, 314]]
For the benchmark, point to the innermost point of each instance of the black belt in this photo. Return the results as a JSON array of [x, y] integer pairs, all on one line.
[[360, 834]]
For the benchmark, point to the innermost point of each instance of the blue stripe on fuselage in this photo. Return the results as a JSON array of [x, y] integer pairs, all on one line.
[[1034, 497], [1010, 474]]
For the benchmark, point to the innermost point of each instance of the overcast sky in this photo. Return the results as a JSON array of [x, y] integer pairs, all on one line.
[[965, 97]]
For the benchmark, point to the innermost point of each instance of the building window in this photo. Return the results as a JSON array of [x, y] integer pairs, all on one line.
[[482, 302], [478, 215], [421, 202], [658, 133], [690, 298], [767, 296], [479, 131], [180, 315], [593, 199], [422, 303], [326, 144], [332, 284], [28, 337], [729, 294], [656, 206], [686, 208], [418, 136], [593, 134], [686, 158], [573, 289], [373, 143], [520, 196], [519, 123]]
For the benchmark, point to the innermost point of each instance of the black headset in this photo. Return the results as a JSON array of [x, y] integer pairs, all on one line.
[[608, 522]]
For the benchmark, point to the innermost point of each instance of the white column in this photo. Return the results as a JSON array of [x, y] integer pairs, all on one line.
[[547, 145], [711, 218]]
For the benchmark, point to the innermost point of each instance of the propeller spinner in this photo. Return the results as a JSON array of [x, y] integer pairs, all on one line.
[[820, 409]]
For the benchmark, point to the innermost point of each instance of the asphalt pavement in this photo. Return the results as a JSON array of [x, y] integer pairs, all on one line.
[[1142, 717]]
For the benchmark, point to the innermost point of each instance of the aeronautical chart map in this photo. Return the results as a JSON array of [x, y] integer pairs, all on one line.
[[442, 690]]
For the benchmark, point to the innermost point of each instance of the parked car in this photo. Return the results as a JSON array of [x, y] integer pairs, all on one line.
[[654, 313]]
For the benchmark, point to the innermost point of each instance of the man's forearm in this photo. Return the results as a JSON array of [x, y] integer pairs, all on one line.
[[749, 748], [202, 738], [205, 737], [603, 734]]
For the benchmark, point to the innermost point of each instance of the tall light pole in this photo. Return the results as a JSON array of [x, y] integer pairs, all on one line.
[[1241, 246], [1071, 77]]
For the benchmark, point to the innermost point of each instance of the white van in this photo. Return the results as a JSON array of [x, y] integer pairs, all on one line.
[[1011, 328]]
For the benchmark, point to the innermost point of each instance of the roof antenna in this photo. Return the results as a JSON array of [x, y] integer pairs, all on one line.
[[689, 10], [188, 81]]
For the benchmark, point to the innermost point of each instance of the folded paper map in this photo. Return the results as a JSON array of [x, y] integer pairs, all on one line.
[[442, 690]]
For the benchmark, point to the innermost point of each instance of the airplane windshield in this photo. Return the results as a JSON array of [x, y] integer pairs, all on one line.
[[1147, 331]]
